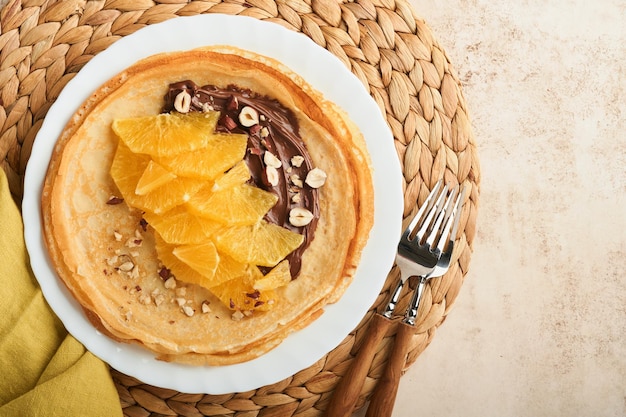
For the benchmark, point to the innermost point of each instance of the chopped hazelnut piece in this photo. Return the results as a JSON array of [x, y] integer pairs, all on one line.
[[295, 179], [248, 116], [237, 315], [134, 273], [157, 297], [271, 160], [265, 132], [228, 122], [300, 216], [170, 283], [205, 307], [164, 273], [118, 236], [126, 266], [182, 102], [232, 103], [145, 299], [272, 175], [297, 161], [188, 311], [315, 178]]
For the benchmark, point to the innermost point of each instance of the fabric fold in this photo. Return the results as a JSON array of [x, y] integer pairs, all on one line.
[[45, 371]]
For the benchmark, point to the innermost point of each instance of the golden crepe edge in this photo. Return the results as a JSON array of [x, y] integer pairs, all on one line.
[[346, 203]]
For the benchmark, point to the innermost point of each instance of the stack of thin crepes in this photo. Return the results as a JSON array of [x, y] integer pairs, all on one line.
[[89, 239]]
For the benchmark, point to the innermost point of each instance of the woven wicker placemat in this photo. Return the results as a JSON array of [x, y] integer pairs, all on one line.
[[393, 52]]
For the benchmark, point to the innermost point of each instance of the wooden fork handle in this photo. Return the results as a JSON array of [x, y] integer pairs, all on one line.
[[347, 391], [384, 396]]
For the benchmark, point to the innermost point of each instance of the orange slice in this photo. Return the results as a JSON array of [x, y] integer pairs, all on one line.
[[126, 170], [178, 226], [237, 175], [263, 243], [202, 258], [228, 268], [153, 177], [239, 294], [180, 269], [279, 276], [220, 152], [166, 134], [236, 206]]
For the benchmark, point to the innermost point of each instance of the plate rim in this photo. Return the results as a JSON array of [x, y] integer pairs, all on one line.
[[197, 379]]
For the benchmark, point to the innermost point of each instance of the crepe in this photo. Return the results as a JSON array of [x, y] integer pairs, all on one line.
[[88, 239]]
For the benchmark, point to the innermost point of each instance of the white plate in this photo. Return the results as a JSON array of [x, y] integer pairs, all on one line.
[[322, 70]]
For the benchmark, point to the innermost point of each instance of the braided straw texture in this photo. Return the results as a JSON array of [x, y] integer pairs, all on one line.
[[44, 43]]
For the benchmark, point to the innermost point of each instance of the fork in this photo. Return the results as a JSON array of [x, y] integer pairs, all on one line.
[[439, 245], [414, 258]]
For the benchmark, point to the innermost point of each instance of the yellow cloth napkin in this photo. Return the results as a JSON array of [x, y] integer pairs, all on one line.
[[43, 370]]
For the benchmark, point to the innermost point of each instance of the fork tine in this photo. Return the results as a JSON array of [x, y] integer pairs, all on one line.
[[443, 214], [448, 235], [427, 226], [417, 219]]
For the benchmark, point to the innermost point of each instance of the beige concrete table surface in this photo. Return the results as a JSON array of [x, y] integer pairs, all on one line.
[[539, 326]]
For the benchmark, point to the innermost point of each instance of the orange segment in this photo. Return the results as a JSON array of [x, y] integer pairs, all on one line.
[[202, 258], [276, 278], [180, 270], [126, 170], [225, 270], [153, 177], [237, 175], [218, 154], [237, 206], [166, 134], [239, 294], [178, 226], [263, 243]]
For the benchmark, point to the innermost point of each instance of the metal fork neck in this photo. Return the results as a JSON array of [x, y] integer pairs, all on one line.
[[411, 312], [393, 301]]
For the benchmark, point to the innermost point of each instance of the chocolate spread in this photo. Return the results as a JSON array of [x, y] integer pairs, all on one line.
[[277, 132]]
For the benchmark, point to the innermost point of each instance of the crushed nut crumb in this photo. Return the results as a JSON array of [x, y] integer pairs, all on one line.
[[272, 175], [112, 260], [170, 283], [189, 312], [271, 160], [297, 161], [205, 307], [295, 179], [145, 299], [126, 266]]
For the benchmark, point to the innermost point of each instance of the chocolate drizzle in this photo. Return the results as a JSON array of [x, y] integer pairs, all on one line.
[[276, 132]]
